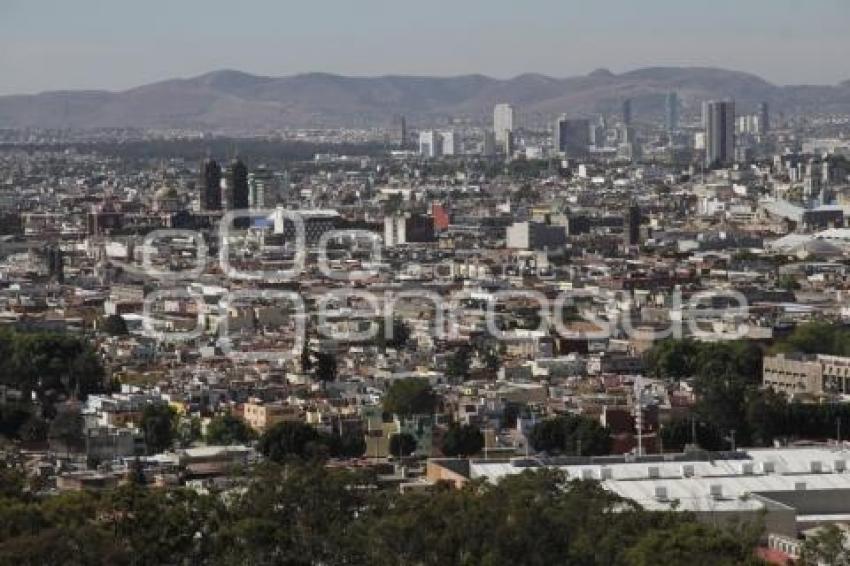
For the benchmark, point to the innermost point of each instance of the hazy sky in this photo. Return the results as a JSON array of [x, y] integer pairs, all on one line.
[[117, 44]]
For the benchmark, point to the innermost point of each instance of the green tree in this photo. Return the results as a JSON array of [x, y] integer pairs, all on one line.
[[228, 429], [306, 357], [693, 543], [188, 431], [767, 416], [114, 325], [53, 366], [462, 440], [680, 432], [291, 439], [67, 429], [407, 397], [13, 417], [816, 338], [457, 365], [326, 367], [306, 513], [299, 515], [571, 434], [788, 283], [828, 546], [673, 359], [159, 426], [349, 444], [33, 430], [402, 444]]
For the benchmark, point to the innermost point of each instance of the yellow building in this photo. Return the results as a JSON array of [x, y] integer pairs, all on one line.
[[261, 416]]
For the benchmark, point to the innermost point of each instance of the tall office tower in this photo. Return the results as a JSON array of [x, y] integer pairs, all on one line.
[[628, 148], [55, 264], [450, 143], [398, 133], [764, 118], [430, 144], [503, 122], [508, 144], [571, 136], [488, 144], [263, 188], [631, 232], [627, 112], [671, 112], [719, 116], [237, 184], [210, 185], [284, 185], [597, 135]]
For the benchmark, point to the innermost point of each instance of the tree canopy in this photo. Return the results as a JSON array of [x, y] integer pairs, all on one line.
[[412, 396], [289, 441], [816, 338], [159, 425], [308, 514], [228, 429], [114, 325], [462, 440], [326, 367], [53, 366], [572, 435], [402, 444], [727, 379]]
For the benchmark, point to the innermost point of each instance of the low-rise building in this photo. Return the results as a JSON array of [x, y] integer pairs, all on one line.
[[797, 374]]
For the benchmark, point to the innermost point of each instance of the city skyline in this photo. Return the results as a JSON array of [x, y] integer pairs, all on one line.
[[97, 45]]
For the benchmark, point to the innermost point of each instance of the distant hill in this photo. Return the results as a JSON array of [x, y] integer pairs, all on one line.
[[235, 101]]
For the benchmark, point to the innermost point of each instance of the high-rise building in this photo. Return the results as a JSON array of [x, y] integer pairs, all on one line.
[[263, 188], [430, 144], [671, 112], [210, 185], [401, 229], [488, 145], [719, 116], [508, 144], [764, 118], [597, 135], [237, 184], [450, 143], [535, 236], [503, 122], [398, 133], [572, 136], [55, 264], [284, 185], [631, 230], [627, 112]]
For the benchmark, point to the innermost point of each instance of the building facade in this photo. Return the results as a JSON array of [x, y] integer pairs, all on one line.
[[797, 374], [719, 116], [503, 122], [572, 136]]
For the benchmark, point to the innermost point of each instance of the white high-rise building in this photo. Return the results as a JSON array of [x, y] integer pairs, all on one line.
[[503, 122], [430, 144], [450, 143]]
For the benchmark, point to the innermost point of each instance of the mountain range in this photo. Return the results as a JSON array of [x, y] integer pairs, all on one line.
[[233, 101]]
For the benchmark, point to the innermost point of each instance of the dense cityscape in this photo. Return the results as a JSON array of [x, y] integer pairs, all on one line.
[[467, 322]]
